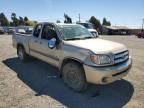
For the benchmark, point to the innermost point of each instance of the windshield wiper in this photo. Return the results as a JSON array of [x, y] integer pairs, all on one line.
[[87, 37], [74, 39], [79, 38]]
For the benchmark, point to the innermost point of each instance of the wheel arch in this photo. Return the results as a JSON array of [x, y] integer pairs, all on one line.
[[69, 59]]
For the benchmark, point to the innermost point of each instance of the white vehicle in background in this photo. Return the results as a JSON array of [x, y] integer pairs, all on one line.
[[24, 29], [90, 28]]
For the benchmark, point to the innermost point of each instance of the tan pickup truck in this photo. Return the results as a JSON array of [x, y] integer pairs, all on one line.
[[80, 57]]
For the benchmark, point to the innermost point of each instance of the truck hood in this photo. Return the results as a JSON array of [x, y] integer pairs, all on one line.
[[98, 46]]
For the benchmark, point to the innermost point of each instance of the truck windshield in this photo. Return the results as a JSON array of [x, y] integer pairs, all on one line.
[[74, 32]]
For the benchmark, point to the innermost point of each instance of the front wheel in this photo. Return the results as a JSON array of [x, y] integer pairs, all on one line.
[[74, 77]]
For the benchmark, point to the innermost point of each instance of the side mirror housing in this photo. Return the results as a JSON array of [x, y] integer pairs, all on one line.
[[52, 43]]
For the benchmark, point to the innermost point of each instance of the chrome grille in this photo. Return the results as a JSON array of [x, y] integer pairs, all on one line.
[[121, 57]]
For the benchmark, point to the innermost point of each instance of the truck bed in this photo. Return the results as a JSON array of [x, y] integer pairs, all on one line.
[[23, 39]]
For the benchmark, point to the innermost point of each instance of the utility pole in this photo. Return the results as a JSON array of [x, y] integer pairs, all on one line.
[[142, 24], [79, 17]]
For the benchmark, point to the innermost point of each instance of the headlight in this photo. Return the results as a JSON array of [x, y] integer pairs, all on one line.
[[100, 59]]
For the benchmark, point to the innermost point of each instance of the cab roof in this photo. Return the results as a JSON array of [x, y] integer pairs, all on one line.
[[57, 23]]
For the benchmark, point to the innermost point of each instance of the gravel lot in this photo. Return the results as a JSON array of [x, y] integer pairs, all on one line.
[[35, 84]]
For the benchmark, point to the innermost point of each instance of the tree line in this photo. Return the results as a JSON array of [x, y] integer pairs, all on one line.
[[96, 22], [15, 21]]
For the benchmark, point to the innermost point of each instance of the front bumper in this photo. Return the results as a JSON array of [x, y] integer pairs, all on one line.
[[106, 75]]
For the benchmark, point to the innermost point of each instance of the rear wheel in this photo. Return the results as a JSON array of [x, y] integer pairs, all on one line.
[[74, 77], [21, 54]]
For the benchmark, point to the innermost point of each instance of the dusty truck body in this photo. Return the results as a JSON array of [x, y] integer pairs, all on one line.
[[80, 57]]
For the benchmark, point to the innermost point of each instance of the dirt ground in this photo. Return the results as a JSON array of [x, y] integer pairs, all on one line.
[[36, 84]]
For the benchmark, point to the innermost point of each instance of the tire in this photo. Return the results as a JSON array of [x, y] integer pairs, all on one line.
[[74, 77], [22, 54]]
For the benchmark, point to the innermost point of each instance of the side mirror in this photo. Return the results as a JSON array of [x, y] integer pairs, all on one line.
[[52, 43]]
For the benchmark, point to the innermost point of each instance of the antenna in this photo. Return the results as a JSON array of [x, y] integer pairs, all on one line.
[[142, 23], [79, 17]]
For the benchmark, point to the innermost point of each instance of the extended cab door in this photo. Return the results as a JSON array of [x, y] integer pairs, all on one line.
[[34, 41], [45, 53]]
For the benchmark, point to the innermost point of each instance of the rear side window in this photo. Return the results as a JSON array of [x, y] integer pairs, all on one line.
[[37, 31]]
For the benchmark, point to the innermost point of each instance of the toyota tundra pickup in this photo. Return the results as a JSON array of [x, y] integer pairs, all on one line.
[[80, 57]]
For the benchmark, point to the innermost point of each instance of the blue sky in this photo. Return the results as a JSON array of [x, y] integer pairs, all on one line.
[[119, 12]]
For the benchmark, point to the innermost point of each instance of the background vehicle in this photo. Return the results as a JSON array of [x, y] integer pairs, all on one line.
[[80, 57], [90, 27], [140, 35], [24, 29], [10, 30], [20, 30], [1, 30], [29, 30]]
